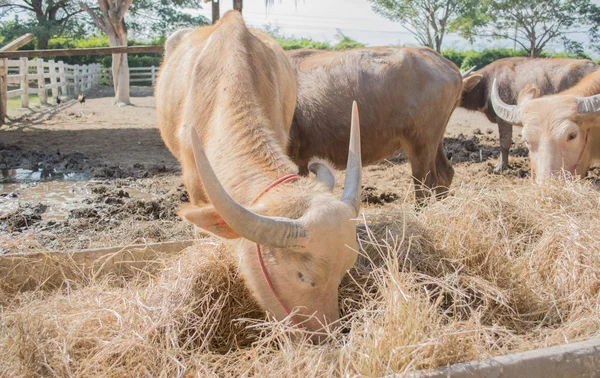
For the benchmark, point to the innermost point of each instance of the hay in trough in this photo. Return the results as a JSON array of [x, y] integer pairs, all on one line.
[[484, 272]]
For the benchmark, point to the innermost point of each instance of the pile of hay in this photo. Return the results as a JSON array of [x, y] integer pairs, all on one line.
[[486, 271]]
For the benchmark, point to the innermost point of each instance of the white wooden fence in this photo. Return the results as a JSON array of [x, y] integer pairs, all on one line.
[[136, 75], [57, 77]]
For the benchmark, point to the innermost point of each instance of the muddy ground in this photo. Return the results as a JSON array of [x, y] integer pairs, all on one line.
[[91, 176]]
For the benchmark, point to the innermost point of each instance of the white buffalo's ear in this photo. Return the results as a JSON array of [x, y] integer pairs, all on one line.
[[471, 82], [528, 93], [208, 219]]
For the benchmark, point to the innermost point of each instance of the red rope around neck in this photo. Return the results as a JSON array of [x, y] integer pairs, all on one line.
[[587, 134], [279, 181]]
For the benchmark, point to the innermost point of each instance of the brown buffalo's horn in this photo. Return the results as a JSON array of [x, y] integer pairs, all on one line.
[[589, 104], [509, 113], [353, 181], [271, 231], [468, 72], [323, 173]]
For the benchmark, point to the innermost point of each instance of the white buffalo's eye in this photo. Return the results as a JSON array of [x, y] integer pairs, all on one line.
[[572, 136]]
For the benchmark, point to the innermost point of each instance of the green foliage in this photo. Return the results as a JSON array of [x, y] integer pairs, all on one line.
[[293, 43], [44, 19], [152, 17], [288, 43], [467, 59], [346, 42]]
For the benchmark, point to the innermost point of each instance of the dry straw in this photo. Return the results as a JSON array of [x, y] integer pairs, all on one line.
[[486, 271]]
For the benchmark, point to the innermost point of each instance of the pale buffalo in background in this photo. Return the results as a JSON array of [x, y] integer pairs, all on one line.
[[512, 75], [562, 131], [225, 100], [406, 97]]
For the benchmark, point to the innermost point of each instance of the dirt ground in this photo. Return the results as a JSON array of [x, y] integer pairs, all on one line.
[[98, 175]]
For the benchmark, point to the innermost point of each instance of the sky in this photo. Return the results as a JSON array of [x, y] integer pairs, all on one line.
[[320, 19]]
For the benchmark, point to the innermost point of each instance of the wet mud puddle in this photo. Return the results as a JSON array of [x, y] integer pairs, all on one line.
[[58, 198]]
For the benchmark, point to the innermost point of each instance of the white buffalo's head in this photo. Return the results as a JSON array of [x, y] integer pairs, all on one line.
[[556, 129], [307, 236]]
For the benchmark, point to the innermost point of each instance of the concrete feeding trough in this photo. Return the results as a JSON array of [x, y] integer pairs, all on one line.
[[47, 270], [580, 359]]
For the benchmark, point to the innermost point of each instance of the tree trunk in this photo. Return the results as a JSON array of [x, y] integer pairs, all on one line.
[[237, 5], [113, 24], [117, 36], [43, 42], [216, 11]]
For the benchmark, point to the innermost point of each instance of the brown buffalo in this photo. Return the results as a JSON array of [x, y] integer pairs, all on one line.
[[562, 131], [512, 75], [406, 96], [225, 100]]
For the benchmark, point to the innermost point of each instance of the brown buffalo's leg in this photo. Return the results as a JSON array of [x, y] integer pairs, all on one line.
[[505, 129], [445, 172], [422, 162]]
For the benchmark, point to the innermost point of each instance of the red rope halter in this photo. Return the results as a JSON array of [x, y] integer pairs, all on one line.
[[587, 133], [279, 181]]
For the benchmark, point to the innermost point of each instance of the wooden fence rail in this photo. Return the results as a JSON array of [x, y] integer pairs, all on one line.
[[136, 75], [57, 77]]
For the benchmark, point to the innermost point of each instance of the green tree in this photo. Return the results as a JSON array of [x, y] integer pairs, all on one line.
[[428, 20], [44, 19], [533, 24], [162, 17]]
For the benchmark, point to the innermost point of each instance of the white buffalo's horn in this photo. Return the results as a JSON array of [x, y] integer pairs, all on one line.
[[323, 173], [509, 113], [353, 181], [271, 231], [588, 104], [468, 72]]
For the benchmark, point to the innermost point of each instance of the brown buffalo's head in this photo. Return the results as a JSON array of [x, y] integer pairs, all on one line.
[[555, 128], [306, 235]]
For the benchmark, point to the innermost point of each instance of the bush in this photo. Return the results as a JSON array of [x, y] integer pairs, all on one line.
[[294, 44], [468, 59], [347, 43]]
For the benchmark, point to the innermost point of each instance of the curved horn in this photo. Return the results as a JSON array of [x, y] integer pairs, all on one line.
[[323, 173], [353, 181], [589, 104], [468, 72], [271, 231], [509, 113]]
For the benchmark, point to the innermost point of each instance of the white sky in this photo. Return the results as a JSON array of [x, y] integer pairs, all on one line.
[[319, 19]]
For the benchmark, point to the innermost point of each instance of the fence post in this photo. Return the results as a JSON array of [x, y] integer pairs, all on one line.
[[24, 71], [63, 79], [76, 89], [52, 73], [153, 75], [3, 90], [88, 71], [41, 81]]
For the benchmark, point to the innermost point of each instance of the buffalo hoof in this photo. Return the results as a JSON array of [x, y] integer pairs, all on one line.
[[501, 167]]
